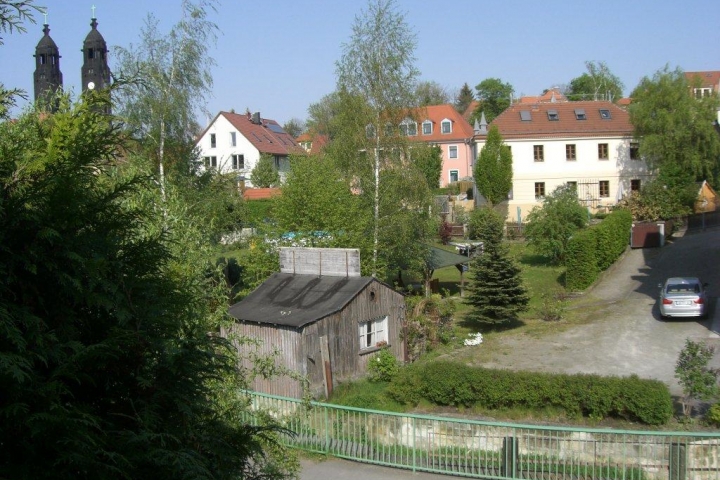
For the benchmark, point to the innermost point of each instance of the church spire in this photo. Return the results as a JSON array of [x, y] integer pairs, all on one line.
[[95, 70], [47, 77]]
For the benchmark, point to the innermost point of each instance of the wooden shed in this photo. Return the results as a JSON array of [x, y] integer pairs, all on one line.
[[323, 319]]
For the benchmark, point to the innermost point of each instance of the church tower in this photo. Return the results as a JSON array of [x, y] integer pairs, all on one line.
[[48, 77], [95, 70]]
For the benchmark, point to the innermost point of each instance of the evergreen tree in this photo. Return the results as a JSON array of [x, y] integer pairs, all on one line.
[[107, 368], [464, 98], [264, 174], [496, 291]]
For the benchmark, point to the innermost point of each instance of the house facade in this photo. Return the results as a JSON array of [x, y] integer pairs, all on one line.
[[443, 126], [233, 143], [705, 84], [588, 144], [320, 319]]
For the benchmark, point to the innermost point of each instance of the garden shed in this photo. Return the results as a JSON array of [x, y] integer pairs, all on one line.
[[321, 318]]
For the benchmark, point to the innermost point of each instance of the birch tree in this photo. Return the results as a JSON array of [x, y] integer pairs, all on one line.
[[168, 78], [377, 78]]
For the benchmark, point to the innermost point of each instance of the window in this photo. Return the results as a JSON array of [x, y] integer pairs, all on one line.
[[604, 188], [635, 185], [408, 128], [238, 162], [446, 126], [580, 114], [634, 151], [603, 151], [452, 151], [454, 176], [539, 190], [213, 142], [605, 114], [370, 131], [233, 139], [553, 115], [525, 115], [427, 127], [211, 162], [570, 152], [91, 53], [538, 153], [373, 332]]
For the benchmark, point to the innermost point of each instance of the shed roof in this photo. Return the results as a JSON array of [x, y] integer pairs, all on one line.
[[439, 258], [296, 300]]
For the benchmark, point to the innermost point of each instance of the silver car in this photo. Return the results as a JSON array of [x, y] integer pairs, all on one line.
[[683, 297]]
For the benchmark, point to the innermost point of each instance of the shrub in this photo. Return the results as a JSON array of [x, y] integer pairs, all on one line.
[[712, 417], [383, 366]]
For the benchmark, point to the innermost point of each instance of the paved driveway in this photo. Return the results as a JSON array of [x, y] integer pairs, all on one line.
[[624, 334]]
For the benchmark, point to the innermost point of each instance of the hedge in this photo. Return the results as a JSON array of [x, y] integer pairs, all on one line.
[[595, 396], [594, 249]]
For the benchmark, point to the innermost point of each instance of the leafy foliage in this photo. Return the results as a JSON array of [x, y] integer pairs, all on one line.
[[457, 384], [494, 97], [676, 129], [428, 324], [428, 159], [106, 365], [383, 366], [698, 381], [431, 93], [165, 79], [551, 225], [264, 174], [597, 83], [486, 225], [672, 194], [493, 171]]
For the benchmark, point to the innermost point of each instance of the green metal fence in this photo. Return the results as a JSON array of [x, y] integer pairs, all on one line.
[[492, 449]]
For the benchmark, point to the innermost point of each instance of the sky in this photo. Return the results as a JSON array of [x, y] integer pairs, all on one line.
[[278, 57]]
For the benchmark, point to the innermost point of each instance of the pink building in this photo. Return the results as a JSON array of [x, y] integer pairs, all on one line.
[[443, 126]]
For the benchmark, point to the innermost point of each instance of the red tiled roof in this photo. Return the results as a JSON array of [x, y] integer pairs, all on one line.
[[267, 136], [710, 79], [470, 109], [511, 124], [551, 95], [317, 142], [461, 129], [260, 193]]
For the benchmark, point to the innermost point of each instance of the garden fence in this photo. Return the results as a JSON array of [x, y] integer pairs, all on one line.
[[498, 450]]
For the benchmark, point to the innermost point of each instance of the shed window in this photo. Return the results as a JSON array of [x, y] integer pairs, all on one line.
[[373, 333]]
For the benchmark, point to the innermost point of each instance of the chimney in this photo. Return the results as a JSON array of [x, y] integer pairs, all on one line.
[[256, 118]]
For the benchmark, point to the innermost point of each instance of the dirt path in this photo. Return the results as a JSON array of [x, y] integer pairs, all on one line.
[[623, 334]]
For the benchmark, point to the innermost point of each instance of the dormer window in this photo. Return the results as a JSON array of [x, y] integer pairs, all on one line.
[[580, 114], [389, 128], [408, 128], [553, 115], [427, 127], [370, 131], [446, 126], [605, 114], [525, 115]]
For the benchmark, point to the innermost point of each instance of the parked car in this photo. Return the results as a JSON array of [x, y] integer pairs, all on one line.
[[683, 297]]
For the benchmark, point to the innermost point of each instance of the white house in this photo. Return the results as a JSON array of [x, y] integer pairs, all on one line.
[[233, 143], [588, 144]]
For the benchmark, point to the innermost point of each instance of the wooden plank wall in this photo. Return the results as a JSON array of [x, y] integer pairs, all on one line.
[[286, 340], [342, 332]]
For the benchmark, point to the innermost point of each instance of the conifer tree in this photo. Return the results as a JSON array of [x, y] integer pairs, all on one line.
[[496, 291]]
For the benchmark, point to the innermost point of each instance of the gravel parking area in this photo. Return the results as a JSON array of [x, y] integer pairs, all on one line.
[[624, 334]]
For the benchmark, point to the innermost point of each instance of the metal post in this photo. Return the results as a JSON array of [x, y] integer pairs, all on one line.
[[677, 461], [509, 457]]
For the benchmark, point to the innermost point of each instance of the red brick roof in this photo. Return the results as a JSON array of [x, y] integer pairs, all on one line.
[[538, 122], [267, 136]]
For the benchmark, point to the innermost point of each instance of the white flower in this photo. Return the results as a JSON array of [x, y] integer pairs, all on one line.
[[474, 339]]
